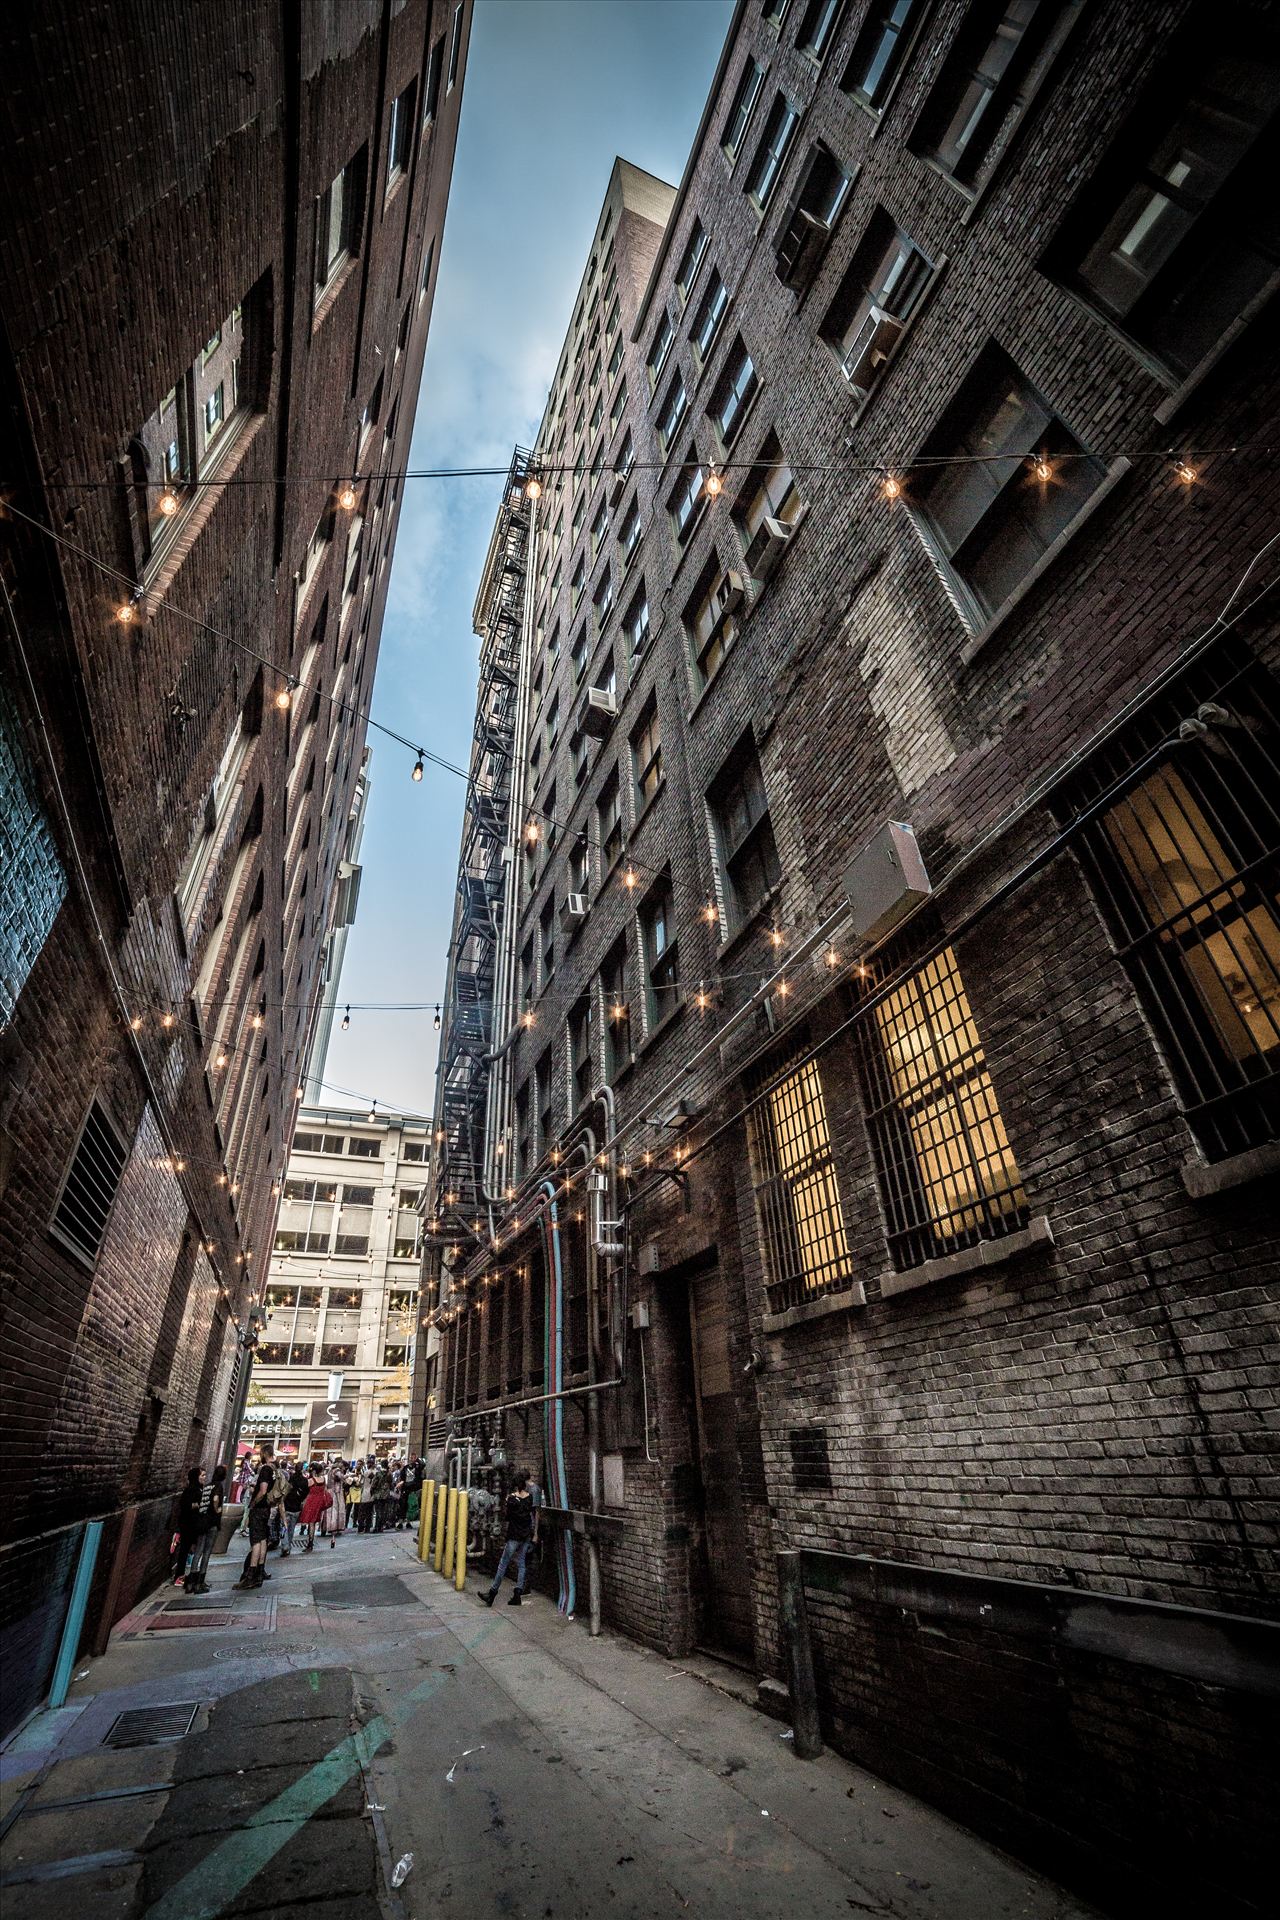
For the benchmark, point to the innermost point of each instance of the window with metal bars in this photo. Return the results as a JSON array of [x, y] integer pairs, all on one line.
[[472, 1335], [515, 1336], [89, 1187], [1186, 870], [806, 1251], [493, 1363], [947, 1172]]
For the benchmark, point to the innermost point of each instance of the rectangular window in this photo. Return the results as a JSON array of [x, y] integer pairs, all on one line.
[[542, 1096], [636, 623], [818, 26], [879, 51], [1184, 870], [711, 311], [986, 80], [748, 856], [874, 301], [609, 823], [691, 260], [578, 654], [617, 1017], [769, 494], [661, 347], [599, 528], [995, 516], [455, 47], [646, 755], [1168, 241], [625, 462], [662, 972], [618, 408], [806, 1250], [361, 1147], [89, 1186], [818, 203], [435, 71], [547, 948], [615, 358], [710, 620], [577, 586], [339, 215], [629, 533], [603, 600], [685, 502], [948, 1176], [581, 1065], [400, 132], [771, 154], [744, 105], [734, 393], [527, 974], [674, 408], [186, 438]]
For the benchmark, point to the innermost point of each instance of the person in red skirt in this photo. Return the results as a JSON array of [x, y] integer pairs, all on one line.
[[314, 1507]]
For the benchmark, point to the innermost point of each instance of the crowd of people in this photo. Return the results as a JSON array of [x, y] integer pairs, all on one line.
[[309, 1501]]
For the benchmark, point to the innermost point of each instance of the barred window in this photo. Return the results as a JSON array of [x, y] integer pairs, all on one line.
[[806, 1252], [947, 1172], [1185, 867]]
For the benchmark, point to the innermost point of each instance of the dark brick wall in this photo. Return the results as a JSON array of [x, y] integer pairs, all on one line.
[[157, 174]]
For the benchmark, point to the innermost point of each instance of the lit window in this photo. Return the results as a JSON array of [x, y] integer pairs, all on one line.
[[806, 1251], [947, 1173]]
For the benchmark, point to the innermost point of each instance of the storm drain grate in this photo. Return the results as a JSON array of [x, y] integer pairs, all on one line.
[[148, 1726]]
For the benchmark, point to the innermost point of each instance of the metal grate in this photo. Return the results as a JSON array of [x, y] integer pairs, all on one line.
[[947, 1171], [89, 1189], [806, 1251], [148, 1726]]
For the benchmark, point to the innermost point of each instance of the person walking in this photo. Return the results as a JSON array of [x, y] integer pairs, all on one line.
[[352, 1488], [211, 1519], [314, 1507], [381, 1497], [189, 1523], [335, 1519], [260, 1503], [295, 1496], [520, 1514]]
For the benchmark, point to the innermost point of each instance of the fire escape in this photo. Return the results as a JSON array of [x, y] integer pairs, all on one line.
[[470, 1028]]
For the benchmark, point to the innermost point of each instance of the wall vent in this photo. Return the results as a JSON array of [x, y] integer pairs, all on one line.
[[89, 1188]]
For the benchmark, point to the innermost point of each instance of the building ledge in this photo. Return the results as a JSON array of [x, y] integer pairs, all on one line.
[[1203, 1178], [821, 1309], [988, 1253]]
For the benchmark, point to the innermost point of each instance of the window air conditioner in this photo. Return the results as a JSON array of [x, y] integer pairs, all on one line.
[[768, 544], [573, 909], [599, 711], [801, 247], [730, 594], [870, 348]]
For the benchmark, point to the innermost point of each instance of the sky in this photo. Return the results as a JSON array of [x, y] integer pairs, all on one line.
[[554, 90]]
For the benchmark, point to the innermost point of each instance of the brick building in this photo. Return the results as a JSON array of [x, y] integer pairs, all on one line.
[[216, 273], [898, 468]]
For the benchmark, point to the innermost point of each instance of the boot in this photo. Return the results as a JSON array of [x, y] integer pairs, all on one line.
[[515, 1599], [489, 1597]]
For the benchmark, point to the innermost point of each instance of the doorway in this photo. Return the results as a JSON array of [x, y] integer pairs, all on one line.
[[727, 1624]]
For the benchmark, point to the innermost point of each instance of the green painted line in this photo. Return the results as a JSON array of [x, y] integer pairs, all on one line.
[[203, 1893], [314, 1678]]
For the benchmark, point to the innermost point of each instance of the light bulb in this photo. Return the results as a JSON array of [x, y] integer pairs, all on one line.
[[347, 496], [527, 1017], [284, 699], [783, 989], [831, 958], [892, 487], [714, 484], [617, 1011], [775, 938], [435, 1024], [532, 832], [168, 503], [220, 1060], [126, 613], [709, 913], [136, 1023], [629, 878], [533, 488], [346, 1020], [1042, 469], [418, 769], [166, 1019], [256, 1022], [1186, 472]]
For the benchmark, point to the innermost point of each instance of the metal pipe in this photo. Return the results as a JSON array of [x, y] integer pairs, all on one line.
[[538, 1399]]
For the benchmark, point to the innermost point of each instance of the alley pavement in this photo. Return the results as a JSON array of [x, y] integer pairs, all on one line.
[[279, 1752]]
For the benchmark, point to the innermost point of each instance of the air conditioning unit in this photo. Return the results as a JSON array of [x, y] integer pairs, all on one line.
[[599, 711], [730, 595], [801, 247], [573, 909], [348, 894], [768, 543], [885, 881], [870, 348]]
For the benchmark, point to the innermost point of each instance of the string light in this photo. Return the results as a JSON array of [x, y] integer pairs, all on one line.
[[435, 1025], [1186, 472], [831, 958], [1042, 469], [347, 496], [710, 914], [533, 488], [346, 1020], [166, 1019], [702, 999], [713, 484], [527, 1017], [775, 938], [418, 768], [629, 878], [891, 487], [783, 989], [126, 613], [256, 1022], [532, 832], [220, 1060], [136, 1023], [284, 699], [168, 503], [617, 1011]]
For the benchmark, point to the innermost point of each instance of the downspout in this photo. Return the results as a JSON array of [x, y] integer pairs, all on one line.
[[553, 1325]]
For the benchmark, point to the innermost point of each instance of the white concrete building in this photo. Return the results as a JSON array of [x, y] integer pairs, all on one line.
[[342, 1296]]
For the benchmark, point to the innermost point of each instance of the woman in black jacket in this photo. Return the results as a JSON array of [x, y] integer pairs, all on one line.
[[211, 1520], [188, 1522]]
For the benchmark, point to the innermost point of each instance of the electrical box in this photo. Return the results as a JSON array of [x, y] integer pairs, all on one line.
[[885, 881], [647, 1259], [640, 1315]]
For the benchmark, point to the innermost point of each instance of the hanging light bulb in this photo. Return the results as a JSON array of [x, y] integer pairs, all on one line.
[[1186, 472], [435, 1025], [629, 878], [527, 1017], [168, 503], [710, 914], [533, 488], [702, 999], [126, 613], [1042, 469], [713, 484], [284, 699], [775, 938], [166, 1019], [783, 989], [831, 958], [136, 1023], [618, 1011], [891, 487], [532, 833], [256, 1022], [220, 1060], [222, 1180], [373, 1111], [347, 496], [418, 768], [346, 1020]]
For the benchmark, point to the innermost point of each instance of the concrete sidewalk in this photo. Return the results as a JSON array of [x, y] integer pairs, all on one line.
[[358, 1709]]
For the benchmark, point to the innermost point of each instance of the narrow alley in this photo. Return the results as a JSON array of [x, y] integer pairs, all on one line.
[[279, 1752]]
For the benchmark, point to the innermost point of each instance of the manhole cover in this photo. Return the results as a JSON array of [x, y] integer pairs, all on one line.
[[379, 1590], [147, 1726]]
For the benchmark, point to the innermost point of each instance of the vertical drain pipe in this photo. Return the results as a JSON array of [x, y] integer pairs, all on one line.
[[553, 1322]]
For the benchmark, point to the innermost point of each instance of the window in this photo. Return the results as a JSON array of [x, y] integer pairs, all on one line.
[[317, 1143], [542, 1095], [711, 311], [685, 502], [818, 26], [547, 927], [819, 201], [599, 528], [986, 78], [578, 654], [210, 837], [603, 600], [995, 519], [691, 260], [524, 1156], [581, 1066], [748, 857], [435, 69], [455, 47], [734, 392], [339, 213], [414, 1150], [1184, 869], [674, 408], [879, 50], [769, 493], [874, 301], [646, 754], [578, 583], [948, 1177], [182, 443], [626, 460], [615, 358], [710, 622], [400, 132], [636, 623], [806, 1252], [89, 1186], [618, 408], [771, 154], [661, 348], [744, 103], [662, 973], [617, 1018], [609, 823], [597, 414], [580, 865], [527, 976], [629, 533], [1168, 242], [370, 412], [361, 1147]]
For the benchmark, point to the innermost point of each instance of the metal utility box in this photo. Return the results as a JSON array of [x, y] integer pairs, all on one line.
[[885, 880]]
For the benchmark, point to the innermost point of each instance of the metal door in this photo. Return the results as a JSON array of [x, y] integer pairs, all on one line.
[[728, 1612]]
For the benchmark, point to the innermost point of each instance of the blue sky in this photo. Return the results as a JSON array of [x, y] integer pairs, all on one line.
[[554, 90]]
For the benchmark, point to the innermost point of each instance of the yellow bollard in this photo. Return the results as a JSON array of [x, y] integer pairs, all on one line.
[[441, 1504], [460, 1578], [451, 1520], [424, 1519]]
